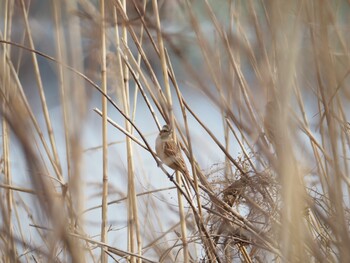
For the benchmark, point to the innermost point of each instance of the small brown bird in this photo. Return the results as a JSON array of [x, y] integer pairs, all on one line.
[[169, 152]]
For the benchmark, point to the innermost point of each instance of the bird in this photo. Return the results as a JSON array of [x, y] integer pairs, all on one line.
[[169, 152]]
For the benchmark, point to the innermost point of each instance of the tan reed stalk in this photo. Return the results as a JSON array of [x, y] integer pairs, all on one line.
[[207, 242], [128, 134], [235, 64], [108, 248], [51, 207], [61, 56], [41, 90], [328, 127], [332, 129], [136, 90], [20, 189], [104, 234], [119, 79], [241, 145], [288, 171], [139, 71], [261, 42], [189, 145], [12, 90], [76, 91], [135, 70], [12, 254], [218, 202], [170, 115], [123, 90], [20, 230], [158, 100], [120, 72], [132, 200], [315, 146], [113, 250], [177, 185], [9, 203], [204, 48], [31, 114], [110, 202], [214, 138]]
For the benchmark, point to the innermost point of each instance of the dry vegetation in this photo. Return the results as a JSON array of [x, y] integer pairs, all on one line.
[[279, 188]]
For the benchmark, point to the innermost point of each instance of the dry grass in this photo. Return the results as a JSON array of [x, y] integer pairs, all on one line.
[[258, 93]]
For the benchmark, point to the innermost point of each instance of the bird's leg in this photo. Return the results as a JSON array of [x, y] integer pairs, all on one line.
[[171, 177]]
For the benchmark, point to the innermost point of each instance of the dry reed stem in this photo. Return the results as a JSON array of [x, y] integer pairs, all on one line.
[[104, 236], [41, 90], [7, 206], [169, 113], [132, 200]]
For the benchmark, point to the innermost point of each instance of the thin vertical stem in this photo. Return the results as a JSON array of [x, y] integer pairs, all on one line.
[[133, 222], [131, 201], [171, 118], [60, 50], [104, 135], [41, 91], [5, 144]]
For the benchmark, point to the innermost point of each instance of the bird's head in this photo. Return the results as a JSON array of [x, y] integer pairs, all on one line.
[[165, 132]]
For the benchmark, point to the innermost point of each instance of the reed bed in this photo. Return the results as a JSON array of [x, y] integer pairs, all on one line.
[[257, 93]]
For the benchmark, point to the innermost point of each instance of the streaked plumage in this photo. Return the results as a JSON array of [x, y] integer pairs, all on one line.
[[169, 152]]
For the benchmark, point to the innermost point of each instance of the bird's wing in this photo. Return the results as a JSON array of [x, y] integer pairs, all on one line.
[[173, 152], [171, 149]]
